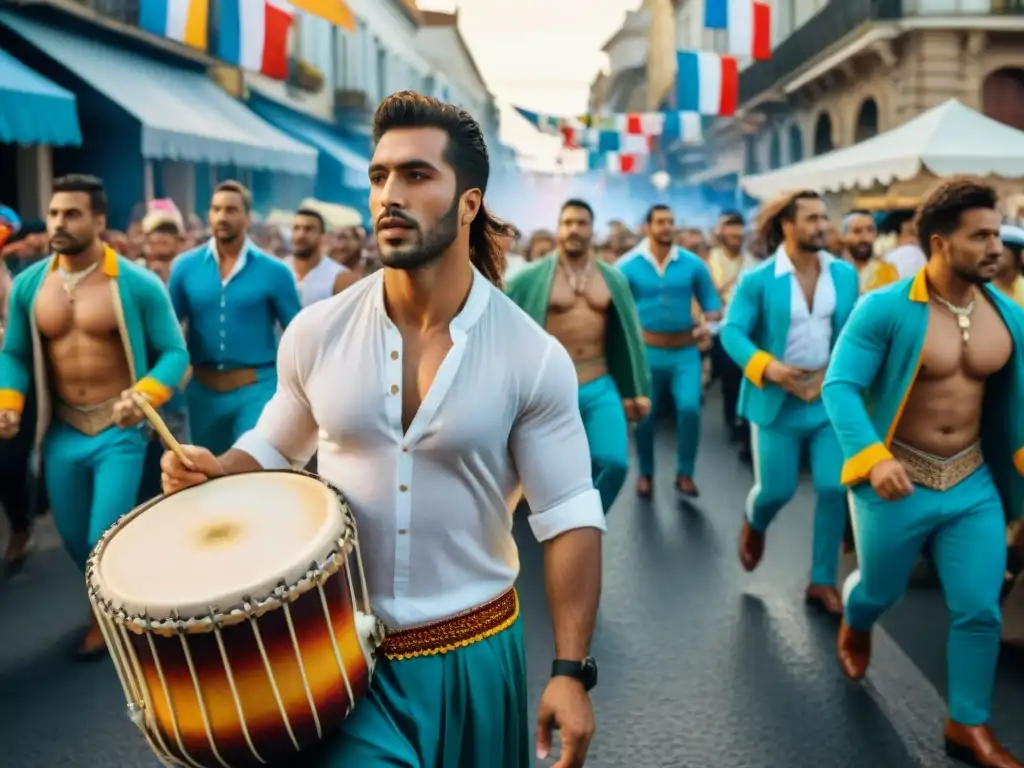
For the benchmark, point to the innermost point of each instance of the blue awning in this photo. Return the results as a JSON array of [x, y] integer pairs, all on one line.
[[351, 165], [34, 110], [185, 116]]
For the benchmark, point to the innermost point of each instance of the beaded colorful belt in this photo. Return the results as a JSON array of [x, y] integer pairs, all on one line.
[[459, 631], [935, 472]]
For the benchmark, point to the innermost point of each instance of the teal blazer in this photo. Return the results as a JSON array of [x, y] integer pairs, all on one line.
[[757, 325], [874, 366], [158, 347]]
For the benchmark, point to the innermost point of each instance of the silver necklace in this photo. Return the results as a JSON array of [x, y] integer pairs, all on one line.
[[962, 315], [72, 279]]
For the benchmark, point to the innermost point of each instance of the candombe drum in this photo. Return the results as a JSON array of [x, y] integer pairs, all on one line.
[[237, 617]]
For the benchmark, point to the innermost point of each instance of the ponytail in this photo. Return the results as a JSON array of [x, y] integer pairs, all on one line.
[[486, 251]]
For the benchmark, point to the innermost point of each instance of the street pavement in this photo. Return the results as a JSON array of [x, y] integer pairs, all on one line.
[[701, 664]]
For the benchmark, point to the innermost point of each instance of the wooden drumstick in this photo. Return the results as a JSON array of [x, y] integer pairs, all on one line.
[[161, 429]]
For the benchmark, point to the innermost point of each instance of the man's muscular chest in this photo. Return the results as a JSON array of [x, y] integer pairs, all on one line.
[[91, 310], [986, 351], [591, 293], [421, 361]]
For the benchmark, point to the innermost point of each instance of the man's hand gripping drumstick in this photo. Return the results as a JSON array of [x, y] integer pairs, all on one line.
[[181, 466]]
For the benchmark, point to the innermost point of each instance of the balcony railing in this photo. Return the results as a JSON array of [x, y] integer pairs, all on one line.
[[838, 18], [827, 27]]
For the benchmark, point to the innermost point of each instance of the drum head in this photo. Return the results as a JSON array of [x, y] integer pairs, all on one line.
[[217, 544]]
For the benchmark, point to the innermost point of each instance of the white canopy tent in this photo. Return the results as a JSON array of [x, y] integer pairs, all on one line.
[[947, 140]]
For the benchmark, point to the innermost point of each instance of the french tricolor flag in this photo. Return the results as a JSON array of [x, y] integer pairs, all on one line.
[[749, 23], [181, 20], [707, 83], [253, 35]]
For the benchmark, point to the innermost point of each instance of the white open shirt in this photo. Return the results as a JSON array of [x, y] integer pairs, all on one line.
[[433, 505], [809, 342]]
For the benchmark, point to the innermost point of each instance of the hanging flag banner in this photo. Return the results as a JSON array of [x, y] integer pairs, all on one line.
[[183, 20], [613, 133], [253, 35], [334, 11], [707, 83], [747, 22]]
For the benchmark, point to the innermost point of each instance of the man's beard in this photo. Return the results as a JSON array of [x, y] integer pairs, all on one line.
[[860, 252], [811, 246], [75, 246], [969, 277], [305, 254], [226, 236], [429, 248], [663, 239]]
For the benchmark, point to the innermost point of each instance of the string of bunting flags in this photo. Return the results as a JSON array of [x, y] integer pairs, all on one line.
[[619, 143], [707, 85]]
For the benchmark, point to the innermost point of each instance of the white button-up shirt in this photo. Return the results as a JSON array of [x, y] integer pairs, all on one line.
[[809, 342], [433, 504]]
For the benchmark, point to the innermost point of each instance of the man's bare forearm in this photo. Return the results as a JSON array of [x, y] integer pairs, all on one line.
[[235, 462], [572, 568]]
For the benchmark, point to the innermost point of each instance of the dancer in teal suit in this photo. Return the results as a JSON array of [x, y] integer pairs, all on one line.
[[780, 328], [924, 391], [587, 306], [667, 281]]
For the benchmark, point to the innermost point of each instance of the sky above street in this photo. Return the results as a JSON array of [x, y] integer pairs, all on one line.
[[537, 54]]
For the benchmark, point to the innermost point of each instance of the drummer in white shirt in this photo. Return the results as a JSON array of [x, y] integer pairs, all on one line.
[[432, 398], [318, 277]]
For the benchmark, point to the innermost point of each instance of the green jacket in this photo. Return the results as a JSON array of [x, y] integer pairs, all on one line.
[[159, 358], [624, 345]]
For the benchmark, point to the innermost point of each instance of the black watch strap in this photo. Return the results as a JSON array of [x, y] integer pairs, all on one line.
[[584, 671]]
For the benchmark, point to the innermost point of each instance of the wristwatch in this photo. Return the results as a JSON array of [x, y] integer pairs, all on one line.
[[585, 671]]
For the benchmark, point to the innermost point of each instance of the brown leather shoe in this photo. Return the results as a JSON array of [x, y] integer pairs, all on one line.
[[853, 649], [825, 598], [975, 745], [751, 546], [687, 487], [643, 487], [93, 645]]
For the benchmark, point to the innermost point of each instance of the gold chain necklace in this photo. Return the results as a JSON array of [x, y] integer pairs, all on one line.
[[577, 279], [962, 315], [71, 280]]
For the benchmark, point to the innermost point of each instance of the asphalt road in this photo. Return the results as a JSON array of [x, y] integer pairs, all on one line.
[[701, 665]]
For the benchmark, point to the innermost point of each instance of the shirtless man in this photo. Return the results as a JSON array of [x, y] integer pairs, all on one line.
[[108, 335], [587, 306], [933, 461], [318, 277]]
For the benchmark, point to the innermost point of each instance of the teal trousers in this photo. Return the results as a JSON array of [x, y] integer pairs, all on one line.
[[675, 373], [218, 419], [776, 451], [608, 434], [462, 709], [91, 481], [967, 531]]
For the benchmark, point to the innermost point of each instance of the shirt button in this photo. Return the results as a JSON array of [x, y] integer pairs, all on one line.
[[402, 531], [405, 449], [403, 488], [394, 355], [394, 389]]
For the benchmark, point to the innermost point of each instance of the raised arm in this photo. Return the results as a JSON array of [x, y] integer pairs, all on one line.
[[856, 359], [741, 320], [164, 339], [16, 355], [285, 437]]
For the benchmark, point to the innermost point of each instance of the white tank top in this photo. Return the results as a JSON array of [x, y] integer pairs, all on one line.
[[318, 284]]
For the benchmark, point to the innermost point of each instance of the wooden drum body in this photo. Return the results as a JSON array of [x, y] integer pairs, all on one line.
[[236, 615]]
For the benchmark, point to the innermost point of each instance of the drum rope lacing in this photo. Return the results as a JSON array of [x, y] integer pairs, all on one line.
[[115, 624]]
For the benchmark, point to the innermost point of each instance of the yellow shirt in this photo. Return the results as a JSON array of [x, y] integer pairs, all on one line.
[[1016, 291], [725, 271], [877, 273]]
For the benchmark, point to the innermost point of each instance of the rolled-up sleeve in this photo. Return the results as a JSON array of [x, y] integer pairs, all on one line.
[[285, 437], [551, 452]]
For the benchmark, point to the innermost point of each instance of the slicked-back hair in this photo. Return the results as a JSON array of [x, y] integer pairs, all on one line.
[[313, 214], [940, 212], [91, 186], [238, 188], [777, 211], [466, 153], [655, 209]]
